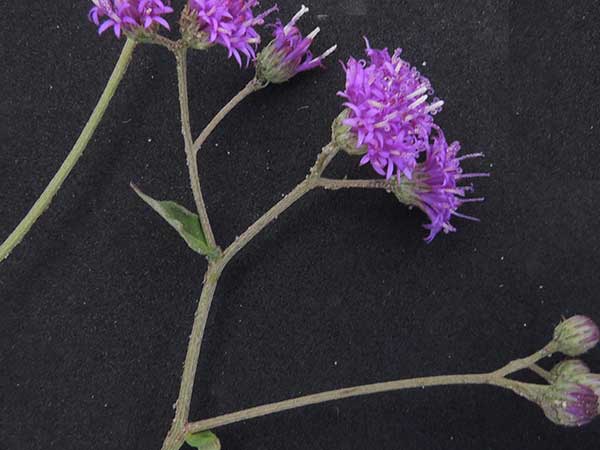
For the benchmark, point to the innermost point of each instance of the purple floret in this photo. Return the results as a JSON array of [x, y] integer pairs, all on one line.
[[128, 15], [389, 110], [231, 23]]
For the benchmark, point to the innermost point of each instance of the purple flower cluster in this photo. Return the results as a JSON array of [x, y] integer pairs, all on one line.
[[390, 115], [288, 54], [128, 15], [230, 23]]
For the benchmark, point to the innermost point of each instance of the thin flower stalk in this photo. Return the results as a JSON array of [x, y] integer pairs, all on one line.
[[44, 201]]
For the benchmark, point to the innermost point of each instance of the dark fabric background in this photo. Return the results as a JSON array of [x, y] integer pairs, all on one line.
[[97, 303]]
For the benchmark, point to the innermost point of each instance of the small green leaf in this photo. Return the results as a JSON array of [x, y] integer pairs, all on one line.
[[185, 222], [206, 440]]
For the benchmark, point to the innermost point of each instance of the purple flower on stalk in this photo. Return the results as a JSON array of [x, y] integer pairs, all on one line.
[[570, 404], [288, 54], [389, 111], [230, 23], [434, 186], [128, 15]]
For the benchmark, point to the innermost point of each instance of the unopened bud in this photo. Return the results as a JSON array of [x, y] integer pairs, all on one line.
[[576, 335], [568, 370], [569, 404]]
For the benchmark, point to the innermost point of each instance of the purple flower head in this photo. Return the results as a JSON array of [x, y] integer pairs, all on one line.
[[570, 404], [129, 15], [434, 186], [576, 335], [230, 23], [288, 54], [389, 110]]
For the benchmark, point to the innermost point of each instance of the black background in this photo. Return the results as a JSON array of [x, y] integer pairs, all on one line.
[[98, 301]]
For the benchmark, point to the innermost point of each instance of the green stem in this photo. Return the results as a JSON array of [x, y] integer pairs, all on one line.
[[186, 130], [334, 185], [43, 202], [541, 372], [298, 402], [253, 86], [312, 181], [176, 435], [524, 363], [272, 214]]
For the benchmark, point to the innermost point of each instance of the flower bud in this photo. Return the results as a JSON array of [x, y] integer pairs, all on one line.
[[569, 404], [288, 53], [344, 138], [576, 335], [569, 370]]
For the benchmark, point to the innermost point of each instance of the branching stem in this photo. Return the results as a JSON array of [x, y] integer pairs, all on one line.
[[177, 432], [314, 179]]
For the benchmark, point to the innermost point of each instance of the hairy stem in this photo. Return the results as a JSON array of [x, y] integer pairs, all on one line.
[[311, 181], [253, 86], [43, 202], [333, 185], [176, 435], [272, 214], [355, 391], [186, 130], [184, 399]]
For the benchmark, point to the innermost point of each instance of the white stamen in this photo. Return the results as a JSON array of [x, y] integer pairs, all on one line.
[[288, 27], [386, 119], [376, 104], [328, 52], [409, 117], [418, 92], [313, 33], [418, 102], [435, 106], [471, 155]]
